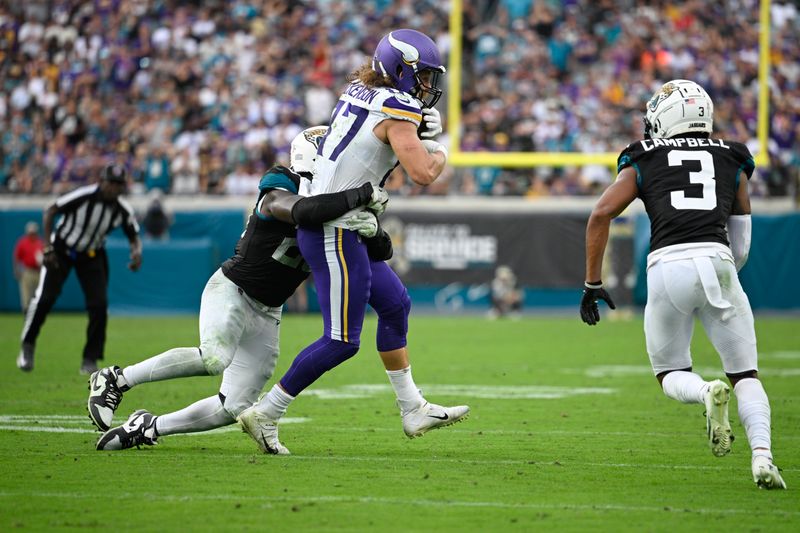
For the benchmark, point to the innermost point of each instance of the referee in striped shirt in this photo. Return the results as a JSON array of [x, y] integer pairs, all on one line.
[[88, 214]]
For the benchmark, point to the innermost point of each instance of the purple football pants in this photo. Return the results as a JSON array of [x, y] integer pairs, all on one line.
[[346, 281]]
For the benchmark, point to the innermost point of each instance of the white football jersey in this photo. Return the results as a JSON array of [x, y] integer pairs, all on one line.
[[350, 154]]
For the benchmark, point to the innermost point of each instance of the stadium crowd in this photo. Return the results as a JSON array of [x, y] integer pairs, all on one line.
[[203, 96]]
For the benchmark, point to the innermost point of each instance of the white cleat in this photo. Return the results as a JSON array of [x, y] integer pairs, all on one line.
[[766, 475], [263, 430], [431, 416], [717, 423]]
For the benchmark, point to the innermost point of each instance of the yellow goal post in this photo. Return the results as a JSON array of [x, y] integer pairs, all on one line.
[[559, 159]]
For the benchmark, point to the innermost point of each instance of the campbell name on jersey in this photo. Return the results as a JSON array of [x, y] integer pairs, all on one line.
[[350, 154], [267, 264], [688, 186]]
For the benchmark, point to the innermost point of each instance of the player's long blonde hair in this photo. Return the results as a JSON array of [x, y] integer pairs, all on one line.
[[367, 76]]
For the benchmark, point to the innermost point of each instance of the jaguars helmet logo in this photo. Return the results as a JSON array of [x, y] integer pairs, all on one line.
[[314, 135], [666, 90]]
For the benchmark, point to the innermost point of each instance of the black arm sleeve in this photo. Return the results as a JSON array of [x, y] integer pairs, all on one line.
[[379, 247], [314, 210]]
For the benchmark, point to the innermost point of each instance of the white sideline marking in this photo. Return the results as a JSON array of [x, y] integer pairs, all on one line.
[[270, 500], [495, 392]]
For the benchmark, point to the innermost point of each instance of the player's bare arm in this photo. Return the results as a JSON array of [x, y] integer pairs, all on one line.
[[422, 166], [741, 205], [613, 201]]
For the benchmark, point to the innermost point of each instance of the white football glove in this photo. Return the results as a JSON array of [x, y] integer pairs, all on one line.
[[433, 123], [364, 222], [433, 147], [380, 199]]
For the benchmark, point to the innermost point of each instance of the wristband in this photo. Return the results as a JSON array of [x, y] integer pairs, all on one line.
[[593, 284], [48, 249]]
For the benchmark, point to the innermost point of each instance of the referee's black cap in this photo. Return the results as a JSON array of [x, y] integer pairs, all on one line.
[[114, 173]]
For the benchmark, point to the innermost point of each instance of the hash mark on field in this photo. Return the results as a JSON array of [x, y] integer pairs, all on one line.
[[269, 500]]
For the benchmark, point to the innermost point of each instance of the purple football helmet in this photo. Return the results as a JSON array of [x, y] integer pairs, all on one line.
[[403, 56]]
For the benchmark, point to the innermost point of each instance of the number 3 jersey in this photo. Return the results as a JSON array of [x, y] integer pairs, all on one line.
[[267, 264], [350, 154], [688, 186]]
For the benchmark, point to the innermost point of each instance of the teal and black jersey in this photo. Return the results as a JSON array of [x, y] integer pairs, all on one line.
[[688, 186], [267, 264]]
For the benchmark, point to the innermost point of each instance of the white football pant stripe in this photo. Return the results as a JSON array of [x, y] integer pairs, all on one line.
[[335, 275], [34, 303]]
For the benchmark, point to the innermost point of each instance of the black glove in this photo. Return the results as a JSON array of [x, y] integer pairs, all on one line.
[[379, 247], [593, 292]]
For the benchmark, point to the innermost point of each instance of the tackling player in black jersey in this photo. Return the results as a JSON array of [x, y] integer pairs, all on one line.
[[240, 308], [694, 189]]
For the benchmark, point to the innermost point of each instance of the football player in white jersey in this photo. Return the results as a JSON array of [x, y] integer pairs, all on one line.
[[695, 191], [373, 128], [240, 309]]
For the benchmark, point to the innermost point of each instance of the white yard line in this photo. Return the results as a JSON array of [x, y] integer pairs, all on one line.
[[64, 423]]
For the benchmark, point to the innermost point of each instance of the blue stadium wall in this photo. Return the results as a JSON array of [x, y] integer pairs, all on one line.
[[447, 259]]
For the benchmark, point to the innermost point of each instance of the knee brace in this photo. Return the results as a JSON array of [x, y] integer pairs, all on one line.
[[393, 324], [743, 375], [216, 356], [737, 377]]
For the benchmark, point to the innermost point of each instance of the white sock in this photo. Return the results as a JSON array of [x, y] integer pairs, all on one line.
[[408, 395], [754, 414], [174, 363], [275, 403], [200, 416], [686, 387]]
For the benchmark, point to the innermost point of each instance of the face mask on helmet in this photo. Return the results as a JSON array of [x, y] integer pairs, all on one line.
[[680, 106], [412, 62], [303, 151]]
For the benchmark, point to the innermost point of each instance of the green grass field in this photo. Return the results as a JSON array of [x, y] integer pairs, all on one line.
[[568, 431]]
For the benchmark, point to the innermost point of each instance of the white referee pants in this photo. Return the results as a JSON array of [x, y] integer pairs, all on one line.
[[706, 286], [240, 335]]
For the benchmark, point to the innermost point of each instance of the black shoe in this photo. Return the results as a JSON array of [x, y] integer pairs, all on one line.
[[104, 396], [140, 429], [88, 367], [25, 358]]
